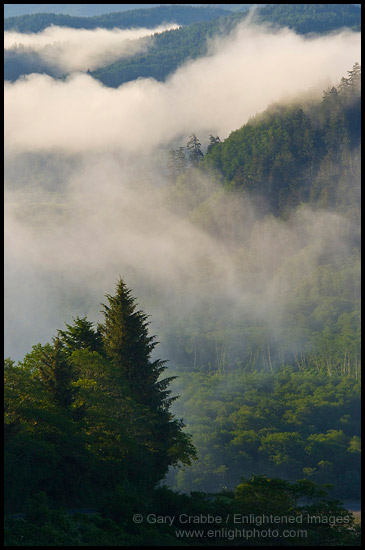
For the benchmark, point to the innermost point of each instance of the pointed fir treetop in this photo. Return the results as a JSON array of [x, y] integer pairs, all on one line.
[[81, 335], [56, 374]]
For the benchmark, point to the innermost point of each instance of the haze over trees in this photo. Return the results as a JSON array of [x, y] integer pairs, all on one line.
[[291, 156], [246, 249], [90, 410], [87, 420], [171, 48]]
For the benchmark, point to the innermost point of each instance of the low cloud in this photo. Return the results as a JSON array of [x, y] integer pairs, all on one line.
[[242, 75], [103, 208], [70, 50]]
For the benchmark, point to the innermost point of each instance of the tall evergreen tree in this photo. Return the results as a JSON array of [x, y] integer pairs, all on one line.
[[195, 151], [129, 347], [177, 163], [127, 343], [56, 374], [213, 140], [354, 79]]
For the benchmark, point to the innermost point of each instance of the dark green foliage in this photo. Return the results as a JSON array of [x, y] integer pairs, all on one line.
[[45, 448], [278, 421], [303, 18], [127, 343], [37, 510], [169, 50], [269, 157], [88, 418], [292, 155], [291, 424], [81, 335], [183, 15], [310, 18], [242, 517], [213, 140], [172, 48], [56, 374], [181, 161], [90, 412], [23, 60]]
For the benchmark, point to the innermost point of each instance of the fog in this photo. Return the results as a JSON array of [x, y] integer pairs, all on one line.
[[70, 50], [102, 207], [218, 93]]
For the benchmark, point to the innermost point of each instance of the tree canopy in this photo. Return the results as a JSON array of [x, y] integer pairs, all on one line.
[[99, 391]]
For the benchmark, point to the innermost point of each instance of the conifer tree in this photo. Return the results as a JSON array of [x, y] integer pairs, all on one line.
[[129, 347], [56, 374], [194, 148], [127, 343], [213, 140], [81, 335], [354, 79], [177, 163]]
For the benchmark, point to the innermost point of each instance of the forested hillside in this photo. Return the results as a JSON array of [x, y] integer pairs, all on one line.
[[280, 403], [183, 15], [85, 10], [309, 18], [284, 160], [172, 48], [89, 10], [291, 155], [167, 53], [291, 424], [214, 397], [303, 18]]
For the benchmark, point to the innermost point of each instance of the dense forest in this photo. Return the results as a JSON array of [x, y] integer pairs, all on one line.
[[89, 10], [88, 426], [296, 154], [290, 424], [183, 15], [284, 159], [303, 18], [84, 10], [293, 156], [168, 53], [231, 415], [309, 18], [171, 48]]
